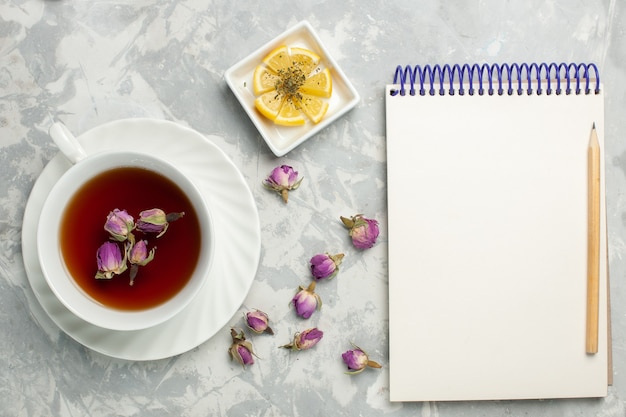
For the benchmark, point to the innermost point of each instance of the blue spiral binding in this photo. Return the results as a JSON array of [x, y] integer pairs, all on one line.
[[497, 78]]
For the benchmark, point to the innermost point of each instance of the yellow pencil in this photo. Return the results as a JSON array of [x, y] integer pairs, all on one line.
[[593, 241]]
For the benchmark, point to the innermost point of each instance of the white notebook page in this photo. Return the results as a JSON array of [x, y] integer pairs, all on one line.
[[487, 199]]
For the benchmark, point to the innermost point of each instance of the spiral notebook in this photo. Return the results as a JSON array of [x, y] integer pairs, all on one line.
[[488, 220]]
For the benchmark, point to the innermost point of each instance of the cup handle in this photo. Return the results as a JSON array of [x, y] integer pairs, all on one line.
[[67, 142]]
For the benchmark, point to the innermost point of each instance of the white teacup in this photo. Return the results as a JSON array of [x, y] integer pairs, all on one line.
[[56, 268]]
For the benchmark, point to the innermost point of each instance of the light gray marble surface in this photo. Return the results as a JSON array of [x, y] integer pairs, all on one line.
[[92, 61]]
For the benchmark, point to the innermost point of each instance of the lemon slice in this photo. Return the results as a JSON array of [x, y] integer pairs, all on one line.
[[290, 114], [305, 59], [320, 84], [277, 59], [268, 104], [314, 107], [263, 80]]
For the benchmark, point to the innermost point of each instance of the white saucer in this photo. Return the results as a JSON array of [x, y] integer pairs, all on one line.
[[237, 233]]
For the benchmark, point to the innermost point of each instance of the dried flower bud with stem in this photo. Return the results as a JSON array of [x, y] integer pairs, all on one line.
[[357, 360], [305, 340], [282, 180], [258, 322], [119, 224], [325, 266], [306, 301], [156, 221], [241, 350], [138, 255], [110, 261], [363, 231]]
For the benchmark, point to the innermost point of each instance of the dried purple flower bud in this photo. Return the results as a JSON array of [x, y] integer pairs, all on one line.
[[241, 350], [138, 255], [119, 224], [282, 180], [325, 266], [258, 322], [357, 360], [305, 340], [306, 301], [156, 221], [109, 259], [245, 355], [363, 232]]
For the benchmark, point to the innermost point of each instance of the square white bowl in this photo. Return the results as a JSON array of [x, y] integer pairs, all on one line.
[[282, 139]]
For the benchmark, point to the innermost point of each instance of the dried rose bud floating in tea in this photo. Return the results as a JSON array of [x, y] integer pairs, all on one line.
[[134, 190], [121, 227]]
